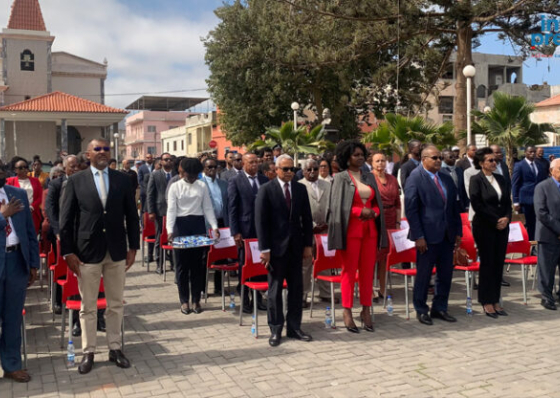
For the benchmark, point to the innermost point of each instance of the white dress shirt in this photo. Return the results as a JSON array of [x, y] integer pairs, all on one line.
[[185, 199], [282, 183], [11, 239]]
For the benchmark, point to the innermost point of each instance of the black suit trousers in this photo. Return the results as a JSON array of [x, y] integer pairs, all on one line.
[[548, 261], [286, 267], [491, 245], [530, 219]]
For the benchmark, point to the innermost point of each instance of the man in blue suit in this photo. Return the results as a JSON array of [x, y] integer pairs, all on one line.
[[19, 261], [526, 175], [449, 166], [435, 225]]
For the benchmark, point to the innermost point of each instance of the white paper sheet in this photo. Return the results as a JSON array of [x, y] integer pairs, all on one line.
[[400, 239], [226, 240], [515, 234], [255, 252], [325, 243], [404, 224]]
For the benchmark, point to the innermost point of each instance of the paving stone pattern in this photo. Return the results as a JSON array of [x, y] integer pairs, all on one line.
[[210, 355]]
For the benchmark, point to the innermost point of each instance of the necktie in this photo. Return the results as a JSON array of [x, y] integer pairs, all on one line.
[[168, 176], [102, 188], [254, 185], [8, 228], [533, 168], [440, 189], [287, 196]]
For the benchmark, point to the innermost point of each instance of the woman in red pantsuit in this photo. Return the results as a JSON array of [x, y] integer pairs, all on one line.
[[32, 187], [356, 229]]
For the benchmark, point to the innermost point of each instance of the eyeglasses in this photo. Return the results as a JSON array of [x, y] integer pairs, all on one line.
[[434, 157], [166, 160], [21, 168], [287, 169], [101, 148], [491, 160], [211, 167], [312, 169]]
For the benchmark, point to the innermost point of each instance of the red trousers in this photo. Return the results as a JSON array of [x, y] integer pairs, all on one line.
[[360, 255]]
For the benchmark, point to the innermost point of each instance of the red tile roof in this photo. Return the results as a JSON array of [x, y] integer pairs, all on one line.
[[554, 101], [26, 15], [60, 102]]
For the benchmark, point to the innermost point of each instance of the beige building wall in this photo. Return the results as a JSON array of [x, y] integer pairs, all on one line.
[[32, 138], [85, 87], [174, 141]]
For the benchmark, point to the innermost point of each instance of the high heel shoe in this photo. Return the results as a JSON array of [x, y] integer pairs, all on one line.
[[366, 327], [500, 312], [492, 315], [349, 323]]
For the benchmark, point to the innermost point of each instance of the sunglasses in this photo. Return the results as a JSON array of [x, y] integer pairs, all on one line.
[[312, 169], [434, 157], [21, 168], [288, 169], [101, 148], [237, 160], [166, 160], [491, 160], [211, 167]]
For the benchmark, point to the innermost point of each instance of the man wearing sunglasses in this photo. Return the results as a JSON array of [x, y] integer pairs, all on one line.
[[285, 232], [435, 225], [98, 217], [156, 202]]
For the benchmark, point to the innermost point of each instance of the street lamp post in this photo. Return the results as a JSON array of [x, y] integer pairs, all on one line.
[[469, 71], [295, 107], [116, 136]]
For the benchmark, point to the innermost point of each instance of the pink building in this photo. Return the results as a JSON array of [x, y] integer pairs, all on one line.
[[143, 131]]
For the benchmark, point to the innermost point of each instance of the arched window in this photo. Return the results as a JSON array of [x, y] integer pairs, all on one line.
[[481, 91], [27, 60]]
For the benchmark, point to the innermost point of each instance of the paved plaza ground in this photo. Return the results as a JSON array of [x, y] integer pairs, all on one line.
[[210, 355]]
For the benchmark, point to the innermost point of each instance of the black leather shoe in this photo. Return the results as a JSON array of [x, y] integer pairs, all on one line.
[[261, 306], [101, 326], [424, 319], [86, 365], [505, 283], [493, 315], [158, 271], [57, 309], [501, 312], [443, 315], [197, 309], [118, 357], [247, 309], [299, 335], [548, 305], [275, 340], [76, 330]]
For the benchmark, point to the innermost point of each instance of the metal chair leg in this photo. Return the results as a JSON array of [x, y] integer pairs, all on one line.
[[333, 307], [24, 341], [312, 297], [406, 296], [524, 281], [63, 325], [41, 270], [206, 290], [241, 305], [143, 262], [256, 313], [164, 266], [467, 278]]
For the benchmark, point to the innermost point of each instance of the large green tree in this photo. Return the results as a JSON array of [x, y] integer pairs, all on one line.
[[265, 54]]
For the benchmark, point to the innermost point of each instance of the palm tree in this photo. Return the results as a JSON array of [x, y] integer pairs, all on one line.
[[294, 142], [396, 130], [509, 125]]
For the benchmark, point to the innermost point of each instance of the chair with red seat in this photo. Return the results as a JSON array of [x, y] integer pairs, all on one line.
[[164, 247], [250, 270], [522, 247], [149, 229], [467, 243], [43, 256], [58, 274], [220, 254], [394, 257], [321, 263], [24, 338], [465, 219]]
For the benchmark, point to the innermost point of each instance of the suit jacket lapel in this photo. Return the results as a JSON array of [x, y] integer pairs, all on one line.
[[93, 188]]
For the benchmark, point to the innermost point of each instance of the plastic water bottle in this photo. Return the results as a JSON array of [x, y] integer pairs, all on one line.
[[469, 307], [254, 328], [328, 318], [232, 303], [389, 305], [70, 355]]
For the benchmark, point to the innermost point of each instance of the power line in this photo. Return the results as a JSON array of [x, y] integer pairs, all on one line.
[[125, 94]]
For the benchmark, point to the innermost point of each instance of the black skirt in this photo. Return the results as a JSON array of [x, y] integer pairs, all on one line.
[[189, 225]]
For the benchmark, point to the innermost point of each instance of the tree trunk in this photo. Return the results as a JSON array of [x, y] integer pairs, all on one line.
[[464, 58]]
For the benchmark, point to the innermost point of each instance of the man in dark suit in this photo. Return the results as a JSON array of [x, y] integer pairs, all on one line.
[[19, 261], [435, 226], [449, 167], [285, 231], [501, 166], [237, 168], [218, 194], [414, 149], [157, 204], [547, 209], [144, 172], [98, 214], [526, 175], [242, 192], [468, 160], [127, 169]]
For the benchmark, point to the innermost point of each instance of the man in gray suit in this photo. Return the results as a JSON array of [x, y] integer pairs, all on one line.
[[157, 203], [547, 232], [318, 192], [235, 170]]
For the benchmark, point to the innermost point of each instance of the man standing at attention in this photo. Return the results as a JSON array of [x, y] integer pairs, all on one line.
[[98, 216], [435, 226], [285, 231], [237, 168]]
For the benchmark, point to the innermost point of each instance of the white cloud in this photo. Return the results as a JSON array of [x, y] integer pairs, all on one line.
[[145, 53]]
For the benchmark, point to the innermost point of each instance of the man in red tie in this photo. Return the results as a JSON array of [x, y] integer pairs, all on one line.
[[435, 225], [285, 230]]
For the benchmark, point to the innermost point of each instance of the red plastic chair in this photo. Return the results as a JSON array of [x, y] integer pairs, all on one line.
[[522, 247], [393, 258], [220, 254], [24, 338], [250, 270], [322, 263], [57, 273], [164, 247], [465, 219], [148, 230], [467, 243]]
